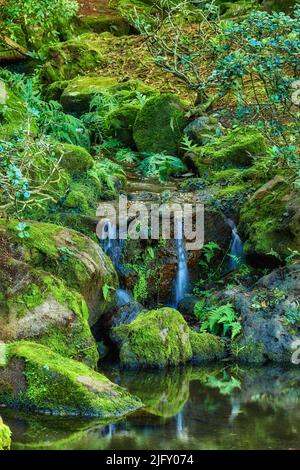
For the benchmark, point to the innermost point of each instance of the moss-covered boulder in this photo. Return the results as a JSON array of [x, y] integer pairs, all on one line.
[[206, 347], [121, 122], [77, 96], [112, 23], [159, 124], [5, 434], [74, 159], [66, 60], [235, 149], [36, 306], [157, 338], [37, 379], [69, 255], [270, 222]]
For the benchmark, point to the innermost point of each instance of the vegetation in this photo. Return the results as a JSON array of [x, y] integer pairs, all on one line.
[[165, 102]]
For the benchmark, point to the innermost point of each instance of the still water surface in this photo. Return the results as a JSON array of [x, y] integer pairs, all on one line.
[[190, 408]]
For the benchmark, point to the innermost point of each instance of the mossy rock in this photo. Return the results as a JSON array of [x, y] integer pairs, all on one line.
[[236, 149], [270, 222], [74, 159], [114, 24], [38, 379], [121, 122], [5, 433], [206, 347], [66, 60], [77, 96], [76, 200], [71, 256], [157, 338], [159, 124], [37, 306], [55, 90]]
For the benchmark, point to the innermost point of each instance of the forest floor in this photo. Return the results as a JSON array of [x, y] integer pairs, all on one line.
[[96, 7]]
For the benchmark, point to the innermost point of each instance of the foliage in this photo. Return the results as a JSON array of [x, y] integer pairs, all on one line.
[[47, 16], [222, 321], [226, 385], [161, 166]]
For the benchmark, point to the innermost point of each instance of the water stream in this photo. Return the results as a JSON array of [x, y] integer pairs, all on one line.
[[181, 287], [236, 256]]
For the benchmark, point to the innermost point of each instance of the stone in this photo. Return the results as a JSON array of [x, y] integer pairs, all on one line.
[[159, 124], [40, 380]]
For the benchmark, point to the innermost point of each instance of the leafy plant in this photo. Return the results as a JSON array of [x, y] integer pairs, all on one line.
[[161, 166], [222, 321], [226, 385]]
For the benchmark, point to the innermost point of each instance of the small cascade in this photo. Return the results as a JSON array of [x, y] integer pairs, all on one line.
[[182, 275], [236, 256], [113, 247], [123, 297]]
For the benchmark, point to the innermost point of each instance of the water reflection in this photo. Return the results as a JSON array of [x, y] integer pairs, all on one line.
[[190, 408]]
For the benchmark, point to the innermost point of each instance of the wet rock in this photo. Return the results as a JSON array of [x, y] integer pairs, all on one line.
[[187, 304], [157, 338], [270, 317], [57, 384], [270, 223]]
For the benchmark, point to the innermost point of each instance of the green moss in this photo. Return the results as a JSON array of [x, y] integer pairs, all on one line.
[[68, 255], [69, 336], [76, 200], [55, 90], [235, 149], [5, 434], [66, 60], [13, 115], [121, 122], [74, 159], [77, 96], [269, 221], [159, 124], [206, 347], [158, 338], [57, 384], [114, 24]]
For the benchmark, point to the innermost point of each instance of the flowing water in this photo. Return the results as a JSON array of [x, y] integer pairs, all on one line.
[[188, 408], [181, 287], [236, 257]]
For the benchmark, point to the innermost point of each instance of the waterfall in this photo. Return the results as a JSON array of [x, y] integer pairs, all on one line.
[[113, 247], [182, 275], [123, 297], [236, 257]]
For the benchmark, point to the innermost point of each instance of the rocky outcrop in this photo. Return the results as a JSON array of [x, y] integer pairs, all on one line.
[[270, 317], [37, 379], [68, 255], [270, 223], [159, 125]]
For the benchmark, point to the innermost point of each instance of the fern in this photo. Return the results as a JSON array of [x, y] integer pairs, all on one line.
[[161, 166], [222, 321]]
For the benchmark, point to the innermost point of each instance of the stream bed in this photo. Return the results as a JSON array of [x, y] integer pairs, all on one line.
[[220, 407]]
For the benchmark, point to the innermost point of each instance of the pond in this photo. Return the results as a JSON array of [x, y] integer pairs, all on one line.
[[228, 407]]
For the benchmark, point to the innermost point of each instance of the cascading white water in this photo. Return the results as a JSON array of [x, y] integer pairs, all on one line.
[[236, 256], [113, 247], [182, 275], [123, 297]]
